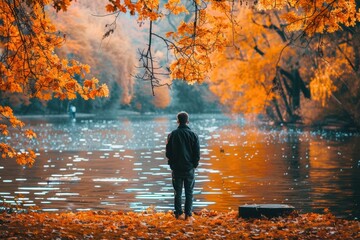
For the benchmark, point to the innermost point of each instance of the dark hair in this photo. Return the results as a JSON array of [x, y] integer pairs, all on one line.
[[183, 117]]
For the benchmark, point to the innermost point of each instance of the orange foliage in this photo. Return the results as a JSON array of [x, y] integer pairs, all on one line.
[[242, 74], [242, 77], [6, 151], [315, 16], [152, 225], [194, 46], [29, 63], [194, 41], [145, 9], [321, 85], [175, 7], [114, 58], [30, 66]]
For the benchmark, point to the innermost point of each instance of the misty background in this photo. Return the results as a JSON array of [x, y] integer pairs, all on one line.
[[114, 61]]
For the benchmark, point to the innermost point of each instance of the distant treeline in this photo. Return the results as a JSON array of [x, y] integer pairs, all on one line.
[[191, 98], [195, 98]]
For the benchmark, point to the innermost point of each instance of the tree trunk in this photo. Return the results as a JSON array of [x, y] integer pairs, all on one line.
[[277, 108], [356, 46]]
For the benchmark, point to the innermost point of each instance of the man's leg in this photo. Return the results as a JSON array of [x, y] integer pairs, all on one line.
[[189, 183], [177, 184]]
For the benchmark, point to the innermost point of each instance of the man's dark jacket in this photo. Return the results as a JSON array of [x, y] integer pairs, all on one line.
[[183, 149]]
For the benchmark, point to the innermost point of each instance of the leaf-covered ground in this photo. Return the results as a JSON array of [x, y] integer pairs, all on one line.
[[153, 225]]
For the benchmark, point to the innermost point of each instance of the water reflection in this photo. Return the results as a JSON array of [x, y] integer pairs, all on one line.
[[120, 164], [332, 165]]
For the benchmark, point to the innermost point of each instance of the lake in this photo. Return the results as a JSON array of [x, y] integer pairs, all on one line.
[[120, 164]]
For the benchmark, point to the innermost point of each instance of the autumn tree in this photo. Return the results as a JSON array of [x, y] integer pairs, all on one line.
[[29, 42], [273, 53], [29, 65], [288, 49], [258, 69]]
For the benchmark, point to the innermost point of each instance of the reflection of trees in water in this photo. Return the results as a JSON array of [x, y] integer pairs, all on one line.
[[333, 175], [250, 167], [255, 165], [295, 154], [281, 166]]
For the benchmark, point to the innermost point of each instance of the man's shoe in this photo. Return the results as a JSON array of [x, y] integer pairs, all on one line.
[[180, 217], [190, 219]]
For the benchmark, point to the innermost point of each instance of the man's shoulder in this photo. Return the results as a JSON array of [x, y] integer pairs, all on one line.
[[195, 134], [189, 130], [172, 132], [182, 129]]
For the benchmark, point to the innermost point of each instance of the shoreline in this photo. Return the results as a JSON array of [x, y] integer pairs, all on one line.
[[37, 116], [162, 225], [326, 126], [79, 114]]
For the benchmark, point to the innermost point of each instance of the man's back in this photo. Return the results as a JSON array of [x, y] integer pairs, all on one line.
[[182, 149]]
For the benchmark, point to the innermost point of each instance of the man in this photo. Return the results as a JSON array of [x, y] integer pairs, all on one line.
[[73, 111], [183, 153]]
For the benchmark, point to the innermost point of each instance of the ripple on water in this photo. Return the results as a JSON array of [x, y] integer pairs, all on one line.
[[110, 180], [263, 164]]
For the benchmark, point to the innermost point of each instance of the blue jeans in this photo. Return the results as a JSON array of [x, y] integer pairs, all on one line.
[[187, 180]]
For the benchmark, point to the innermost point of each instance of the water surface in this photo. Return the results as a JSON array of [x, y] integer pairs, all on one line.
[[120, 164]]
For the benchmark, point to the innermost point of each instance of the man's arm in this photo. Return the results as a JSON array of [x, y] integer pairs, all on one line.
[[196, 152], [169, 149]]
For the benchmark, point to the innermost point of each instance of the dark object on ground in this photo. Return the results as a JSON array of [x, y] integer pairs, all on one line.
[[267, 210]]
